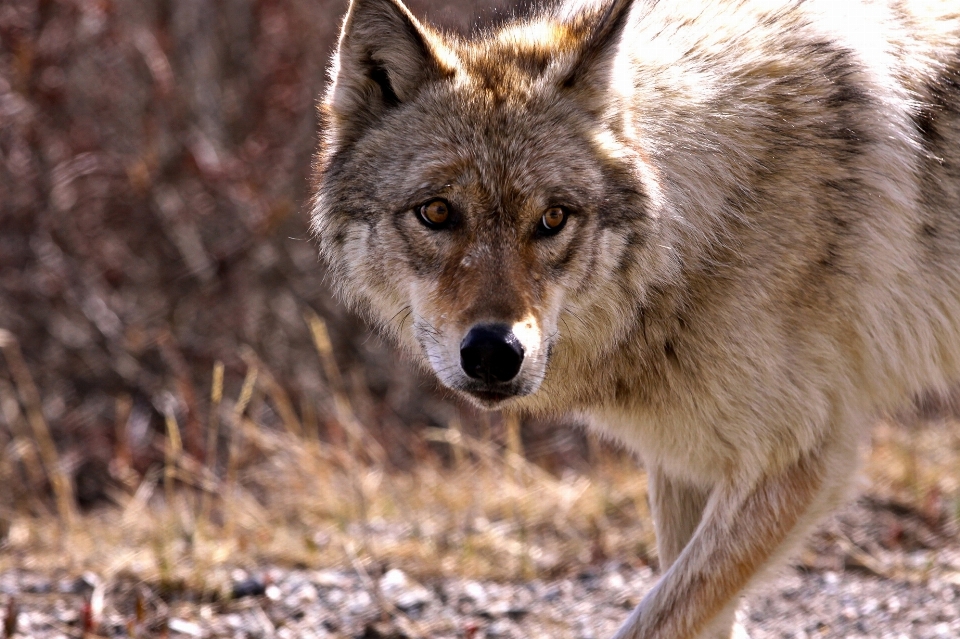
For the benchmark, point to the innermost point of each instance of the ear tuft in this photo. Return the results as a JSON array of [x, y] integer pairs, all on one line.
[[384, 56], [594, 60]]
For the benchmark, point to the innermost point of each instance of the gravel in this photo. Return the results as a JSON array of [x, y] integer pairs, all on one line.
[[799, 604], [845, 584]]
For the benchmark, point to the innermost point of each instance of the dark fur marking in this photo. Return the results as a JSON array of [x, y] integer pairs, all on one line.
[[423, 262], [839, 224], [575, 243], [925, 121], [670, 352], [847, 134], [944, 100], [640, 313], [559, 265], [588, 271], [845, 93], [829, 261], [839, 68], [620, 210], [839, 219], [628, 258], [382, 79]]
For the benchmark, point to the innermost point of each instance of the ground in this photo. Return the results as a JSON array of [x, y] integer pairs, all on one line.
[[844, 584]]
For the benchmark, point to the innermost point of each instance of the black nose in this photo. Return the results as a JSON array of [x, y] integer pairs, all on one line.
[[491, 352]]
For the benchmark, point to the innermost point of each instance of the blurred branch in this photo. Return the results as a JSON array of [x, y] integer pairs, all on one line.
[[62, 487]]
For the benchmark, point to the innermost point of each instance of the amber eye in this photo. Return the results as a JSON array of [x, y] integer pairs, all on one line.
[[552, 221], [435, 214]]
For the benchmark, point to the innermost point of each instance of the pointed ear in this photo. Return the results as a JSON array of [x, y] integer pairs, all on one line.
[[383, 58], [591, 68]]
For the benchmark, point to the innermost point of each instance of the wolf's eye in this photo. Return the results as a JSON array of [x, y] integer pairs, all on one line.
[[552, 221], [434, 214]]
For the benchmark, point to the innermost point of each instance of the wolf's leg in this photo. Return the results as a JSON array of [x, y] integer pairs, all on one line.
[[744, 526], [677, 508]]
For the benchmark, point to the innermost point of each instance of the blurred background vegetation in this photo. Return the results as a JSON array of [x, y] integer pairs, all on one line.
[[162, 308], [174, 368], [154, 163]]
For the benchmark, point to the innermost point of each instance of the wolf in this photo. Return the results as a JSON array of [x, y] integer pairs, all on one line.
[[725, 233]]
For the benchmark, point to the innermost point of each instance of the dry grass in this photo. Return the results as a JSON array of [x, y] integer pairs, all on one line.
[[274, 496], [918, 466], [491, 515]]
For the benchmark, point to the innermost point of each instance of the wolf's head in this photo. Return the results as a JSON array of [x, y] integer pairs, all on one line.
[[484, 200]]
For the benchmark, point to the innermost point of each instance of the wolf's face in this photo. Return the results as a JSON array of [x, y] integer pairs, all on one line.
[[469, 193]]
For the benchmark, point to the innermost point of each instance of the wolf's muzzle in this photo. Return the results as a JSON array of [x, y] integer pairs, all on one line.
[[491, 353]]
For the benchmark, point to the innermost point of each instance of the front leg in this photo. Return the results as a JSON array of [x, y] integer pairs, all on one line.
[[742, 529], [677, 507]]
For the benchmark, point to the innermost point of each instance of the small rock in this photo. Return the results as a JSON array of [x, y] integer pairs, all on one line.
[[475, 592], [506, 608], [552, 593], [234, 621], [893, 605], [37, 585], [359, 602], [304, 594], [335, 597], [184, 627], [501, 629], [331, 579], [585, 629], [403, 592], [614, 581], [250, 587]]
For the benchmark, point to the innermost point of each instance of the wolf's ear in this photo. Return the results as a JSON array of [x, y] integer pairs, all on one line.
[[602, 30], [383, 58]]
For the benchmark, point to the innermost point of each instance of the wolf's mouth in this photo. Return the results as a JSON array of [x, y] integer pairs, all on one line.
[[490, 399]]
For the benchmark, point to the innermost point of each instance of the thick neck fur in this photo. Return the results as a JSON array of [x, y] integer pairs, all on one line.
[[736, 152]]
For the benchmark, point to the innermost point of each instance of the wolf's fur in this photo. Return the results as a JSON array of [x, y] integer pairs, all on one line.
[[762, 253]]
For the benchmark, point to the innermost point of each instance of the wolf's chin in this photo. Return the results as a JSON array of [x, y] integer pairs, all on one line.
[[494, 398], [491, 401], [488, 400]]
